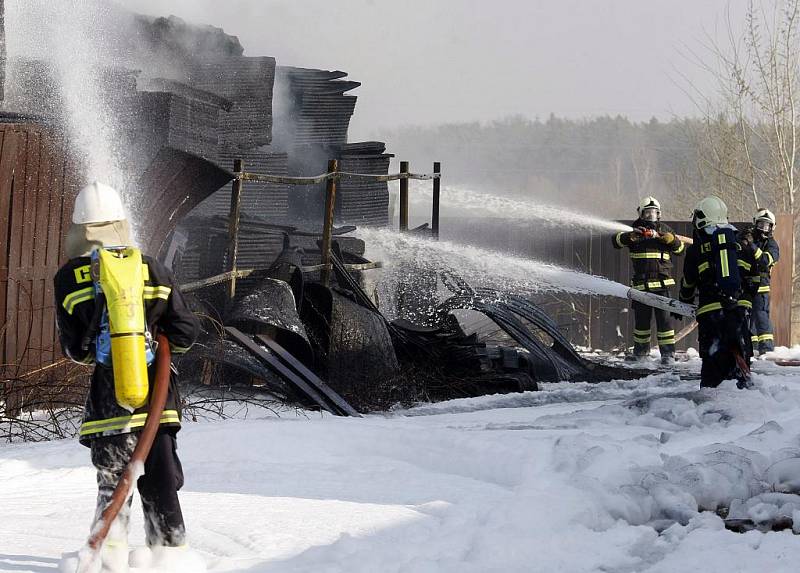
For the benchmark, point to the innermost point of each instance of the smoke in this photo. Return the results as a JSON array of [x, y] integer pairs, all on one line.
[[80, 62]]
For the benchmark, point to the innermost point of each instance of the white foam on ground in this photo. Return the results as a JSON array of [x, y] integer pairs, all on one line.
[[577, 477], [783, 353]]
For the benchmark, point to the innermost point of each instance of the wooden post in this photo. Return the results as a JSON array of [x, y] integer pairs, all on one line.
[[233, 225], [327, 229], [781, 283], [404, 197], [437, 170]]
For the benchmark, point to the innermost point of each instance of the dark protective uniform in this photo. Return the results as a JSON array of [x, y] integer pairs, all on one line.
[[651, 263], [112, 431], [713, 270], [750, 276], [763, 253]]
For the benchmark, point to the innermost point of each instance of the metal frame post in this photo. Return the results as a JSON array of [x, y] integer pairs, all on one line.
[[327, 228], [233, 224], [437, 173], [404, 169]]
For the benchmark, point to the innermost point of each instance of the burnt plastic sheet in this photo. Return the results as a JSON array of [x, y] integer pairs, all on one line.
[[174, 183], [352, 344], [271, 309]]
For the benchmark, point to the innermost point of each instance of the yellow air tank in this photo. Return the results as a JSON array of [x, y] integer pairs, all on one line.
[[123, 285]]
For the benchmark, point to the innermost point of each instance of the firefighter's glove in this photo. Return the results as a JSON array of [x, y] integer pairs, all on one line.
[[666, 238], [635, 236], [676, 316], [746, 238], [645, 233]]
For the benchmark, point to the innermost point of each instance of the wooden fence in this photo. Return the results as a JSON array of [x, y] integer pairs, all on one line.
[[37, 189]]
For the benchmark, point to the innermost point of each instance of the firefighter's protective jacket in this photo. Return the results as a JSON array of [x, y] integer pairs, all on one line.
[[765, 253], [165, 312], [651, 259], [715, 270]]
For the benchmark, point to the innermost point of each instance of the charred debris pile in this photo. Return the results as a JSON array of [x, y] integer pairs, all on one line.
[[331, 347], [187, 103]]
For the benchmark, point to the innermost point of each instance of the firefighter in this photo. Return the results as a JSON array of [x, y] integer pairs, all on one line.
[[110, 429], [762, 252], [651, 245], [751, 277], [712, 272]]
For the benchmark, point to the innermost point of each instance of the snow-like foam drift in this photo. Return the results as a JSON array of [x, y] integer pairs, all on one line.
[[459, 200], [617, 477], [402, 252]]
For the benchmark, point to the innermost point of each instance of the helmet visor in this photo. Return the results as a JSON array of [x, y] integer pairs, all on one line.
[[764, 225], [651, 214]]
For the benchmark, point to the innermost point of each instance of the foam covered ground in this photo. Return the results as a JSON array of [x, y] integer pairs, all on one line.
[[615, 477]]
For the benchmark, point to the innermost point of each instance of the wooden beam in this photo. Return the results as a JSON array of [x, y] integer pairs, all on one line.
[[327, 228], [437, 189], [216, 279], [288, 368], [233, 226], [781, 283], [301, 370], [404, 167]]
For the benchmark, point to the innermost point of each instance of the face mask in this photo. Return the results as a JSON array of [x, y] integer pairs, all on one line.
[[763, 225], [650, 215]]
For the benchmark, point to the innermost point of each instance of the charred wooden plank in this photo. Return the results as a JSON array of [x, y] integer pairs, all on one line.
[[319, 395], [300, 368]]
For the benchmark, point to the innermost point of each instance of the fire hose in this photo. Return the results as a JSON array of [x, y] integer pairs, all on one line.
[[135, 465]]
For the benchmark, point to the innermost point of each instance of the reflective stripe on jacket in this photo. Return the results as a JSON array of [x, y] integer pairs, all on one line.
[[651, 259], [166, 313]]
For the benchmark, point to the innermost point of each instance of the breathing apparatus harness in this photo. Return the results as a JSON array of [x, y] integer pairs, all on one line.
[[119, 329], [720, 249]]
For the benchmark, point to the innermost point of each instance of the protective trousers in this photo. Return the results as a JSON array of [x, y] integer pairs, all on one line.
[[158, 487], [642, 316], [760, 324], [723, 337]]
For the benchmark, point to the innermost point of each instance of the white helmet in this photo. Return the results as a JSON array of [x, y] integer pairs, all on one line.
[[764, 220], [649, 203], [98, 203], [710, 211]]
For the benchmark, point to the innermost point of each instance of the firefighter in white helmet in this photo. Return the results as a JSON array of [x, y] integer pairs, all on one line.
[[762, 252], [651, 245], [110, 427], [712, 272]]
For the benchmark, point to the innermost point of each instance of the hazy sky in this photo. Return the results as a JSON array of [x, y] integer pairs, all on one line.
[[429, 61]]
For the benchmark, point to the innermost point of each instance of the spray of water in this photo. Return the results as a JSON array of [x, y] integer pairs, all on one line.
[[480, 267], [75, 39], [460, 199], [64, 34]]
